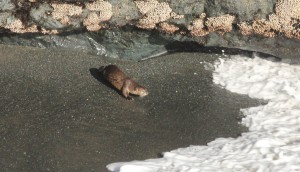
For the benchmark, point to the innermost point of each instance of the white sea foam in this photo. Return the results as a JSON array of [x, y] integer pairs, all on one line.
[[273, 140]]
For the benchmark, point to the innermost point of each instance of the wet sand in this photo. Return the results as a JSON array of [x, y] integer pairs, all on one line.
[[57, 115]]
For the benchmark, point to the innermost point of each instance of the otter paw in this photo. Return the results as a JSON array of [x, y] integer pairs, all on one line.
[[129, 98]]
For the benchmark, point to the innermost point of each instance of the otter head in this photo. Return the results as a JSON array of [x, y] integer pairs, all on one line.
[[141, 91]]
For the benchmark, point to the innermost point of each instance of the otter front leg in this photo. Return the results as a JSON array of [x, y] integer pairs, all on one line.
[[125, 89]]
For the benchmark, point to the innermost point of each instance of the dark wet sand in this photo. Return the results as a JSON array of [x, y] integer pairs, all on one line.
[[56, 116]]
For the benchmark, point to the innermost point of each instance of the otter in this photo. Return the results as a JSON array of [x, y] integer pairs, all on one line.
[[122, 82]]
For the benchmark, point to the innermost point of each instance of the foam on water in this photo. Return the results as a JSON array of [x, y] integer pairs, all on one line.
[[273, 140]]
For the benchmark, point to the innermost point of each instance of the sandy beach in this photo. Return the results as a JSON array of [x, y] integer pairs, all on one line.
[[57, 115]]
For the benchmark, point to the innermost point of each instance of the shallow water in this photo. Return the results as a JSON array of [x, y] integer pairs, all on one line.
[[55, 115]]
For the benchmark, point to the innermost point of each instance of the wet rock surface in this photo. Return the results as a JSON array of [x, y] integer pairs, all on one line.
[[136, 44], [57, 115]]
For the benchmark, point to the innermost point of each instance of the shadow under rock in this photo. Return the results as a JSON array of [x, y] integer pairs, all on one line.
[[192, 46]]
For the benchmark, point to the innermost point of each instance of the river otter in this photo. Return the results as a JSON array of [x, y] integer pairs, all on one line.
[[121, 82]]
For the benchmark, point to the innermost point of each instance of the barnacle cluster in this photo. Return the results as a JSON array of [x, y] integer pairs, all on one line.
[[202, 26], [99, 11], [222, 23], [64, 12], [168, 28], [197, 28], [285, 20], [17, 26], [154, 12]]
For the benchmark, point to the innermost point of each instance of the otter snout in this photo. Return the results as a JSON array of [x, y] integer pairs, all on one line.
[[144, 93]]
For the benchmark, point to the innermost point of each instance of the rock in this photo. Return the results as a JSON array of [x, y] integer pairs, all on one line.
[[39, 16], [6, 5], [119, 9], [126, 42], [4, 17], [244, 10]]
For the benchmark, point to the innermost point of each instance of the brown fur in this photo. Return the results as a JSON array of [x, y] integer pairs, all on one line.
[[120, 81]]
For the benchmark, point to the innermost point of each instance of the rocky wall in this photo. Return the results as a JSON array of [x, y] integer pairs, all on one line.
[[270, 26]]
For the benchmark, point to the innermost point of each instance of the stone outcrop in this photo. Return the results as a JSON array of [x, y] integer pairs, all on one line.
[[259, 25]]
